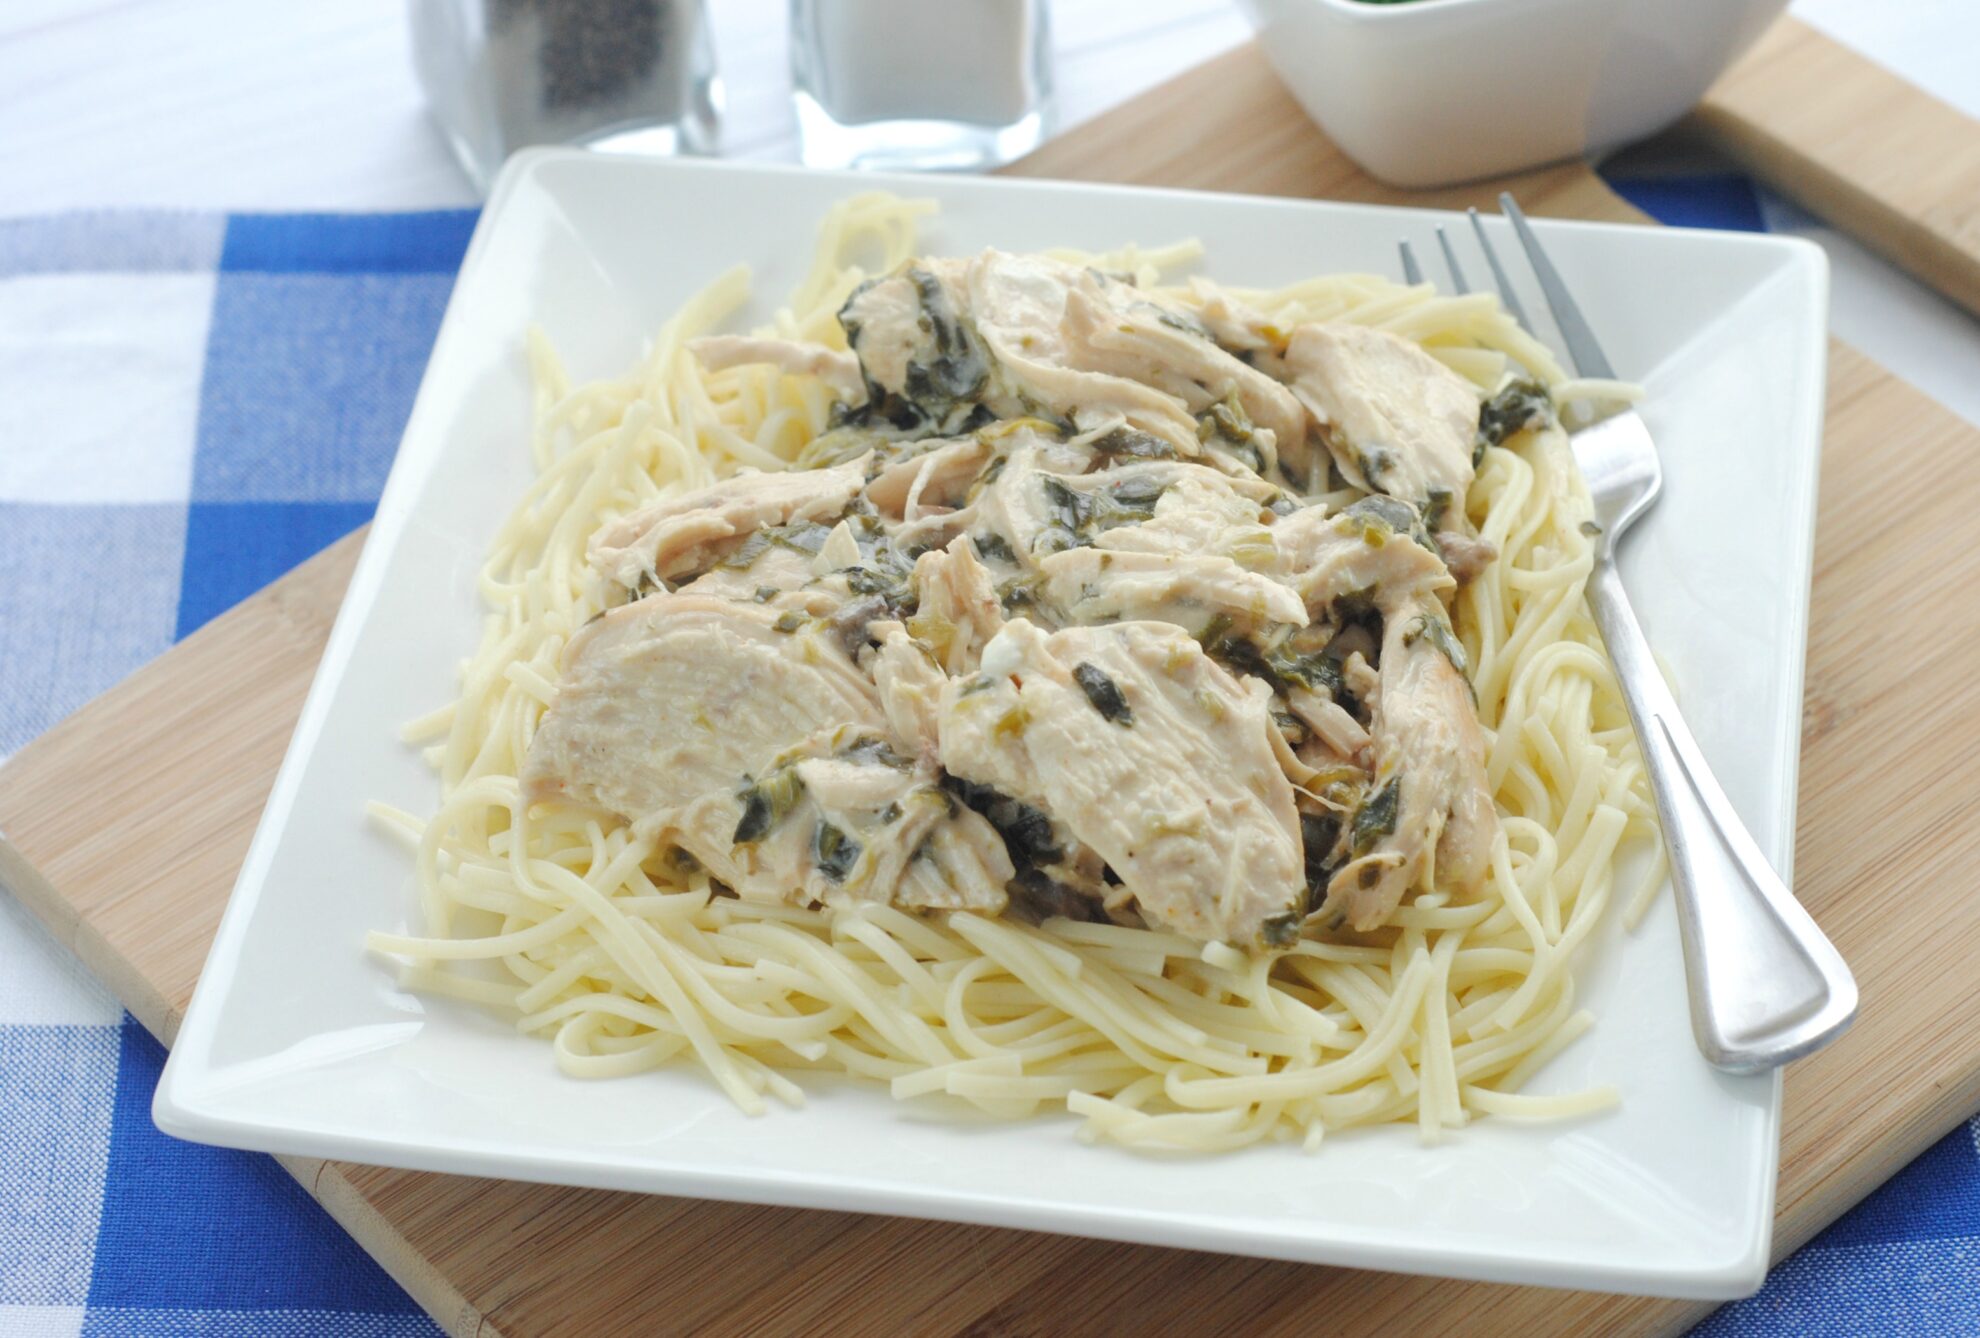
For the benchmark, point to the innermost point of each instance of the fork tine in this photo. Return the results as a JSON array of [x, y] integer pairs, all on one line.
[[1499, 279], [1412, 272], [1450, 259], [1584, 351]]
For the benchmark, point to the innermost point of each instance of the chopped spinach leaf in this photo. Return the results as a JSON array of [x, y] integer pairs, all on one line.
[[992, 545], [1440, 635], [1280, 930], [1398, 516], [1436, 508], [747, 552], [1227, 421], [1019, 592], [1027, 832], [1373, 462], [1376, 818], [1079, 516], [1134, 444], [835, 852], [803, 536], [1354, 606], [1380, 516], [1185, 321], [767, 803], [1299, 660], [1037, 896], [1318, 834], [1103, 692], [1521, 405], [1214, 631], [870, 750]]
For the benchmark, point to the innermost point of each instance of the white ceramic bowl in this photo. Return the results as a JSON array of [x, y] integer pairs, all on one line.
[[1435, 91]]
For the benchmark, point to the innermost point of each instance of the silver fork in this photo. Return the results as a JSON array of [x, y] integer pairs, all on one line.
[[1765, 985]]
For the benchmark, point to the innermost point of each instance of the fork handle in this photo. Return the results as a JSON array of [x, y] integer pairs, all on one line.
[[1765, 984]]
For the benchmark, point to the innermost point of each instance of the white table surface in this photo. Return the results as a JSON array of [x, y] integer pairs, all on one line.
[[273, 104]]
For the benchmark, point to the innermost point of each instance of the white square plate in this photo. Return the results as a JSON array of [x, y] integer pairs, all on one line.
[[299, 1042]]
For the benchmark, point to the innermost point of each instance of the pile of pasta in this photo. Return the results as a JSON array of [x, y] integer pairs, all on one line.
[[591, 937]]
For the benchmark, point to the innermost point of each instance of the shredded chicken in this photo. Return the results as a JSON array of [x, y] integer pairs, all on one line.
[[959, 610], [1234, 324], [1019, 305], [853, 822], [682, 534], [1395, 419], [929, 480], [1091, 585], [1199, 511], [1106, 332], [1332, 724], [1045, 632], [1427, 816], [1428, 819], [910, 684], [837, 368]]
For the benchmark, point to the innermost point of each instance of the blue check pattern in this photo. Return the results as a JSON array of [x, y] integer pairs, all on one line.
[[195, 403]]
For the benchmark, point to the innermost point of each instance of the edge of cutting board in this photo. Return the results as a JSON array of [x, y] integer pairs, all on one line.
[[1867, 150]]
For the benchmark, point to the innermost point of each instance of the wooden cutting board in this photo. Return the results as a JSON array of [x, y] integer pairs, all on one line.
[[1873, 154], [186, 749]]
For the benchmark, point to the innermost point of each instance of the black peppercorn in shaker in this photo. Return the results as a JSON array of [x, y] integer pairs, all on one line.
[[632, 75]]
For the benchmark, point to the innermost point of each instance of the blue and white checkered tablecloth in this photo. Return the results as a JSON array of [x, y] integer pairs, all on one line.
[[194, 403]]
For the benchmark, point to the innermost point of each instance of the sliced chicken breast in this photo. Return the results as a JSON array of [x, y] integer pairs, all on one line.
[[763, 752], [1151, 754], [667, 699], [1395, 419]]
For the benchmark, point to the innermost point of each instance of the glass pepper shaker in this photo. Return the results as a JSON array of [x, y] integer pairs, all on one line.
[[626, 75]]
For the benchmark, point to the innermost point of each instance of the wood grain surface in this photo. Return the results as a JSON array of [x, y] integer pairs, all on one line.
[[1888, 832], [1872, 153]]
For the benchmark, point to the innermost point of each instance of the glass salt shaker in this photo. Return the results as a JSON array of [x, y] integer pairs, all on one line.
[[635, 76], [958, 85]]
